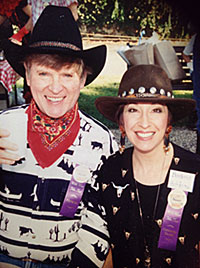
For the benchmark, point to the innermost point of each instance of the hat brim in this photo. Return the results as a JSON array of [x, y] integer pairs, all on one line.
[[94, 57], [179, 107]]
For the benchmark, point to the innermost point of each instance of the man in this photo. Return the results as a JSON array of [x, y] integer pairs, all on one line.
[[50, 214]]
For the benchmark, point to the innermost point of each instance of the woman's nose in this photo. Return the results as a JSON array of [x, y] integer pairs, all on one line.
[[144, 120]]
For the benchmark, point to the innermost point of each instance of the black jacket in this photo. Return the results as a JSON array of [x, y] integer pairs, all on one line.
[[118, 195]]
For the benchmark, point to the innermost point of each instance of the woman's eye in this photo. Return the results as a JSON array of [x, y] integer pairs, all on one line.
[[157, 110], [132, 110]]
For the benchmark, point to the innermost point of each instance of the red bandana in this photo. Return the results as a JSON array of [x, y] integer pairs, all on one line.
[[49, 138]]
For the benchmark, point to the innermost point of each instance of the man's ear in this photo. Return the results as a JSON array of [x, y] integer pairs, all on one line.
[[27, 74], [83, 79]]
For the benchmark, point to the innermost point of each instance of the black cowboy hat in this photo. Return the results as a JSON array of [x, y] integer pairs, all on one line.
[[145, 84], [55, 32]]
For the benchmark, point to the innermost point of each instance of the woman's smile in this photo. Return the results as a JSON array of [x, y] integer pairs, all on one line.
[[144, 135]]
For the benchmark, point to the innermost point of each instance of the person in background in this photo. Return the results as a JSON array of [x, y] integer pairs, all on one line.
[[188, 50], [19, 13], [193, 47], [151, 191], [50, 215], [187, 55], [39, 5], [196, 83]]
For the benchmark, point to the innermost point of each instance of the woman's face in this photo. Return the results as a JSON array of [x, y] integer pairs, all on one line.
[[145, 125]]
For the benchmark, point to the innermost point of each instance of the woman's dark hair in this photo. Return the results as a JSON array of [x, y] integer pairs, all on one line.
[[118, 115]]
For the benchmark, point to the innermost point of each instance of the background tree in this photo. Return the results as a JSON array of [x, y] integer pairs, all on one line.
[[131, 16]]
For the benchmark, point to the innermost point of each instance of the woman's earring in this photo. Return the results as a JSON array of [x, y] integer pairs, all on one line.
[[166, 146], [122, 139]]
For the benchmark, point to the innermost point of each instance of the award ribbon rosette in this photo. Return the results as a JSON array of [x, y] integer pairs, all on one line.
[[180, 183], [80, 176]]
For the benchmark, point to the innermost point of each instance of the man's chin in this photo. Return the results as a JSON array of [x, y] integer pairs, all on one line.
[[54, 115]]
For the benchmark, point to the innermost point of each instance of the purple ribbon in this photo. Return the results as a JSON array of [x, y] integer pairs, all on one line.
[[170, 228], [72, 198]]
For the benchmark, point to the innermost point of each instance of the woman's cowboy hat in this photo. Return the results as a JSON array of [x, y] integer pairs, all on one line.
[[56, 32], [145, 84]]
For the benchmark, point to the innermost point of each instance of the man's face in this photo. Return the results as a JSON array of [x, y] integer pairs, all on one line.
[[54, 91]]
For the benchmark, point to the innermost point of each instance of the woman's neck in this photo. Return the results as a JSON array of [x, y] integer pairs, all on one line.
[[152, 156], [151, 168]]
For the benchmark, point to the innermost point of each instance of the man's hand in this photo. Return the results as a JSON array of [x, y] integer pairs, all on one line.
[[7, 157]]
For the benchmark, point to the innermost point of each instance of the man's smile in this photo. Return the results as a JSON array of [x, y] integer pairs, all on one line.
[[55, 99]]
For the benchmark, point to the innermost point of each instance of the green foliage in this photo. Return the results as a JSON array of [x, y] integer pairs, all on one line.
[[183, 93], [94, 13], [88, 96], [131, 16]]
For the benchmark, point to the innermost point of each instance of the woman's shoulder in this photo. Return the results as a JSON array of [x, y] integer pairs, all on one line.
[[186, 158], [178, 150], [122, 157], [117, 162], [116, 167]]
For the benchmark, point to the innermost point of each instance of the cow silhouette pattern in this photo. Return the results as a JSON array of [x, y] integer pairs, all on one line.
[[31, 199]]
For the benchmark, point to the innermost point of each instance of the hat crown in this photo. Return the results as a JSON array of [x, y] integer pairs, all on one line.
[[56, 25], [145, 81]]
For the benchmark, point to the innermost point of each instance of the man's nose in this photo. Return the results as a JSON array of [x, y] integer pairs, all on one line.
[[55, 85]]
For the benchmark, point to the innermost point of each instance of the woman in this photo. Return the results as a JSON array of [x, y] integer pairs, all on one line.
[[151, 191]]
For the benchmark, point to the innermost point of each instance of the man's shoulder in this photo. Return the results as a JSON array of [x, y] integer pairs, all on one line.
[[15, 109], [96, 132], [92, 122]]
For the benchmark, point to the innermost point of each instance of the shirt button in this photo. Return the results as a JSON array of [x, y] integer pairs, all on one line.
[[33, 236]]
